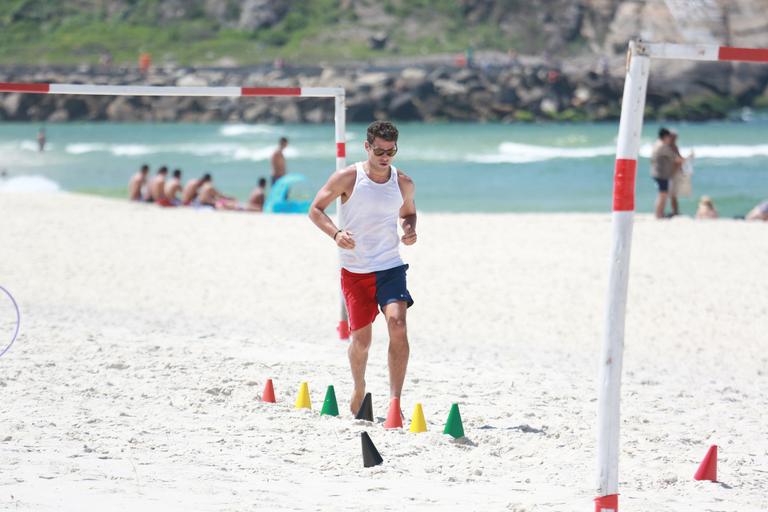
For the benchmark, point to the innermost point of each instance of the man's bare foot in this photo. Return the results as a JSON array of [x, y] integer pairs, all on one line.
[[357, 399]]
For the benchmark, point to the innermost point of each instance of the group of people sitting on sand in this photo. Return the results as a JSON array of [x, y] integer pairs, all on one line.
[[198, 192]]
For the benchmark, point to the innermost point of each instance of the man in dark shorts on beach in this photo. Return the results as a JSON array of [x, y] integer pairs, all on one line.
[[374, 196], [664, 162], [278, 160]]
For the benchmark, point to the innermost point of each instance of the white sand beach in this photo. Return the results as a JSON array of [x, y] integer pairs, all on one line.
[[147, 335]]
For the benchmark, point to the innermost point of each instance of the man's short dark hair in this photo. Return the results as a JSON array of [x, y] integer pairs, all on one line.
[[177, 173], [663, 132], [162, 170], [145, 168], [262, 182], [283, 140], [383, 130], [206, 177]]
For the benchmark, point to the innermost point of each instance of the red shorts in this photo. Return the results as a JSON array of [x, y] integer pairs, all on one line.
[[366, 293]]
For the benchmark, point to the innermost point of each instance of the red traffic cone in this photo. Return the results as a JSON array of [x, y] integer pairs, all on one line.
[[394, 420], [708, 467], [269, 392]]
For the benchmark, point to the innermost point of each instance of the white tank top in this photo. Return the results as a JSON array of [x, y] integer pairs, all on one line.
[[371, 214]]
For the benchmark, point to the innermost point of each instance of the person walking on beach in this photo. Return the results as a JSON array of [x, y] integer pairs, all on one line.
[[173, 188], [664, 163], [136, 183], [278, 160], [374, 196], [680, 183]]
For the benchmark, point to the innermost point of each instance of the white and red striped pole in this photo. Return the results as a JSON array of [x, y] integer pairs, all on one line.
[[150, 90], [340, 121], [163, 90], [706, 52], [630, 128]]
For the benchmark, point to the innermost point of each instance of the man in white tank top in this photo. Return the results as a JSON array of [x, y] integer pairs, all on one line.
[[374, 197]]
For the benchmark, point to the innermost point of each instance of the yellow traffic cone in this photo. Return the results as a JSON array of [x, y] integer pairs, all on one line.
[[302, 401], [418, 424]]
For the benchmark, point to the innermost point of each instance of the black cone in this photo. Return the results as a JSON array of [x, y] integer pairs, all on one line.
[[366, 409], [371, 455]]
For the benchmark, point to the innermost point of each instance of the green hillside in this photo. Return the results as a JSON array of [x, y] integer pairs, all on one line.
[[205, 31]]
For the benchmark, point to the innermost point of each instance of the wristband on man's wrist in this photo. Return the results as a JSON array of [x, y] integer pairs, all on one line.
[[337, 234]]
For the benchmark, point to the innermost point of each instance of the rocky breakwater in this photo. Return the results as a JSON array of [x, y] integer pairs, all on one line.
[[525, 89]]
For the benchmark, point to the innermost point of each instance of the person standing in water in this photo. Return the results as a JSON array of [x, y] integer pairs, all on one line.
[[374, 197], [278, 160], [41, 140]]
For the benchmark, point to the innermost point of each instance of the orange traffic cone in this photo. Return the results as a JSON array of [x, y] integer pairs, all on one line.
[[269, 392], [708, 467], [394, 420]]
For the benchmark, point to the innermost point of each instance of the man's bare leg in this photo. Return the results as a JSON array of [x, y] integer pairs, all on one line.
[[398, 346], [358, 360], [675, 205], [661, 202]]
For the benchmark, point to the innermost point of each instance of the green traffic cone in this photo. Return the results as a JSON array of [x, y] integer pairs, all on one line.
[[330, 408], [453, 426]]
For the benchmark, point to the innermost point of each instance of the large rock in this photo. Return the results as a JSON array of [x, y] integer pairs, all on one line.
[[748, 81], [123, 108], [258, 14], [450, 88], [371, 80], [14, 104], [287, 111], [59, 116], [403, 108], [360, 110], [76, 107], [192, 80]]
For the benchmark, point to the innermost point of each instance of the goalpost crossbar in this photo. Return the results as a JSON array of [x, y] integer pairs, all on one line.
[[337, 93], [705, 52], [162, 90]]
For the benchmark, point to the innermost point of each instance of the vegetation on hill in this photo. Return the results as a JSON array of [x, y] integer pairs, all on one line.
[[198, 32]]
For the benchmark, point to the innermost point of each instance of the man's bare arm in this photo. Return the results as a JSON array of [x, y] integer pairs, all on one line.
[[408, 210], [336, 186]]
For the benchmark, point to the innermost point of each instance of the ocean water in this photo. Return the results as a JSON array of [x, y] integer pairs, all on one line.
[[553, 167]]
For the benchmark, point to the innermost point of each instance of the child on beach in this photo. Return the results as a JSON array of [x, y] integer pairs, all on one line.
[[706, 209], [256, 200]]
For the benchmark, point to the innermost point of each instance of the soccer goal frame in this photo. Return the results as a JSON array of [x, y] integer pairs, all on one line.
[[337, 93], [630, 128]]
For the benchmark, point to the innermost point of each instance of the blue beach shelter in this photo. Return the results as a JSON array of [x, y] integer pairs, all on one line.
[[288, 196]]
